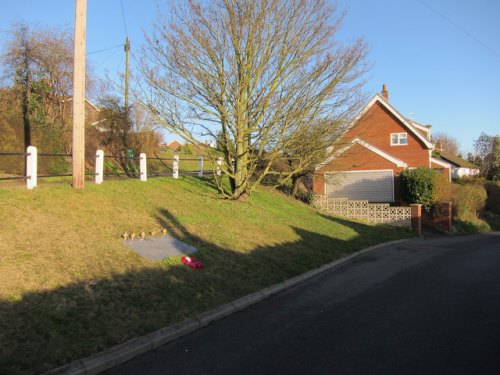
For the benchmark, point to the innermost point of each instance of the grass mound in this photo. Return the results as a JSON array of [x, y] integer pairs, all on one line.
[[69, 287]]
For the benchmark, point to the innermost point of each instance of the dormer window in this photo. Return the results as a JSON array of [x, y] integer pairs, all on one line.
[[399, 139]]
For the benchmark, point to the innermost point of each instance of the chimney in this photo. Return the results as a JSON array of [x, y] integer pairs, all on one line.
[[385, 93]]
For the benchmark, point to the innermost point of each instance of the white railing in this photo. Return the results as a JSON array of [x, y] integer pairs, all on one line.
[[31, 156]]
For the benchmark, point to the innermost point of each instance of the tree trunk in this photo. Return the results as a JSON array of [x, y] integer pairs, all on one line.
[[295, 184]]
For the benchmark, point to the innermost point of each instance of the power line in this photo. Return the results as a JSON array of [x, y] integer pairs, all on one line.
[[103, 50], [474, 38], [123, 16]]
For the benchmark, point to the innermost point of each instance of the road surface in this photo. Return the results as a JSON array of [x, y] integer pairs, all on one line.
[[419, 307]]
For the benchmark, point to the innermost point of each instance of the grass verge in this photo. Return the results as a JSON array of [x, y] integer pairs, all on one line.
[[69, 287]]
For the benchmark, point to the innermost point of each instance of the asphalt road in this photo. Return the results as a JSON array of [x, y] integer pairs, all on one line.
[[419, 307]]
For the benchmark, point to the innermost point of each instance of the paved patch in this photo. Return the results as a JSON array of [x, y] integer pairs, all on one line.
[[160, 247]]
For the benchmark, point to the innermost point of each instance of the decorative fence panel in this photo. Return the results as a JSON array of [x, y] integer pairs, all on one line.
[[363, 210]]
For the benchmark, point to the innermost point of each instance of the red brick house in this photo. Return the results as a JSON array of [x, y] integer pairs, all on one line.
[[376, 147], [174, 145]]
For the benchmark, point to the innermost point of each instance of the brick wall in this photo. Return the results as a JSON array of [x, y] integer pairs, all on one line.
[[441, 218], [375, 128]]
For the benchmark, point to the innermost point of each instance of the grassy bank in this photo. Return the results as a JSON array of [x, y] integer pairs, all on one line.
[[69, 288]]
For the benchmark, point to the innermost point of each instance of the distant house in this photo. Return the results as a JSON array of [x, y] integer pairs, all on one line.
[[91, 112], [174, 145], [377, 146], [459, 167]]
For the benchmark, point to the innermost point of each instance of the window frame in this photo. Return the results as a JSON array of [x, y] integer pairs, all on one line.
[[405, 137]]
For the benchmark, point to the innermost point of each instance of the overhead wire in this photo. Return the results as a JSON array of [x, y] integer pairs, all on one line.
[[103, 50], [457, 26], [123, 17]]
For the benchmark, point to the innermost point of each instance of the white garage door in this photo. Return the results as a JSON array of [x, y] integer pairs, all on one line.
[[374, 186]]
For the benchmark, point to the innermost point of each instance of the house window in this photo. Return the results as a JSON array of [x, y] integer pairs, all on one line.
[[399, 139]]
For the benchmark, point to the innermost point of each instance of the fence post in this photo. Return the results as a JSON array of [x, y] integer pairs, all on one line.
[[448, 209], [219, 165], [200, 166], [31, 167], [416, 218], [175, 167], [143, 169], [99, 166]]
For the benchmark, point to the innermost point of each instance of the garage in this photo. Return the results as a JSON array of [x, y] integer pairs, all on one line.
[[374, 186]]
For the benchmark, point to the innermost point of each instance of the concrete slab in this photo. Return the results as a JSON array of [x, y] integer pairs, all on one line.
[[160, 247]]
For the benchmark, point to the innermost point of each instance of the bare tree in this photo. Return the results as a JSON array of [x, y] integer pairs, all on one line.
[[254, 74], [446, 142]]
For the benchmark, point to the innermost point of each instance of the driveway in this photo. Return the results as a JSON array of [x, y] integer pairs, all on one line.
[[418, 307]]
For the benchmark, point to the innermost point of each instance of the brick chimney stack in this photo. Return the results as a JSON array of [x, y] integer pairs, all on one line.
[[385, 93]]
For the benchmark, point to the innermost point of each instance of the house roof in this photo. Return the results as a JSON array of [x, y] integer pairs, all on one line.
[[379, 98], [423, 128], [385, 155], [175, 144], [96, 108], [440, 162], [453, 159]]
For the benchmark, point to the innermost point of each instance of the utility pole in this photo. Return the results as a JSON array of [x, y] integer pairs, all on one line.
[[127, 49], [79, 96]]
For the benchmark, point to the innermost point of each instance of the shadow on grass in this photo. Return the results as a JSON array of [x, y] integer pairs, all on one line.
[[44, 330]]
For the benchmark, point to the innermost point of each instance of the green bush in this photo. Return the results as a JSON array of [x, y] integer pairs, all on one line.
[[305, 196], [493, 201], [418, 186], [468, 200], [473, 180], [443, 189]]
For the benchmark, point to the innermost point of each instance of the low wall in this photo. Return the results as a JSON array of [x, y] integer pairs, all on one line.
[[371, 212], [440, 218]]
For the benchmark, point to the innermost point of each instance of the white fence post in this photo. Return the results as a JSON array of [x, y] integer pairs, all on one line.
[[175, 167], [143, 167], [200, 166], [99, 166], [219, 165], [31, 167]]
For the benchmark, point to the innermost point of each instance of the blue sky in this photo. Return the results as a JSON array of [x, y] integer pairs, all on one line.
[[440, 59]]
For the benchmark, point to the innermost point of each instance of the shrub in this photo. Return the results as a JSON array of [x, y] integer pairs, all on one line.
[[473, 180], [187, 149], [468, 200], [285, 188], [493, 201], [417, 186], [443, 189], [306, 197]]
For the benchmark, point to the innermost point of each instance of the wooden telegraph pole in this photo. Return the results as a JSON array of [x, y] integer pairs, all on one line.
[[79, 96], [127, 50]]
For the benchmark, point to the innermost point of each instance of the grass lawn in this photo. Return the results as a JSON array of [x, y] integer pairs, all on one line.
[[69, 288]]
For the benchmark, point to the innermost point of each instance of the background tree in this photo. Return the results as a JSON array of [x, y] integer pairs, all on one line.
[[126, 128], [253, 74], [487, 148], [446, 142], [495, 174], [304, 152], [116, 129], [37, 67], [17, 57]]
